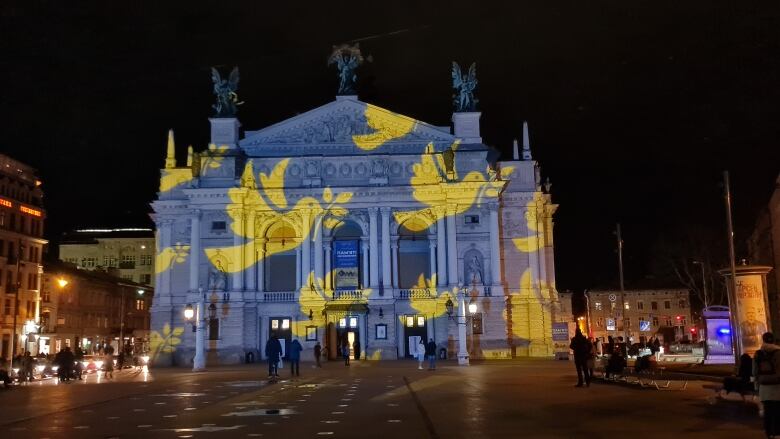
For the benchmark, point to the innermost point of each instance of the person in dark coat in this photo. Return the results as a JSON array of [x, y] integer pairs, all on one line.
[[273, 350], [582, 350], [64, 360], [317, 353], [345, 350], [295, 357], [430, 352], [356, 347]]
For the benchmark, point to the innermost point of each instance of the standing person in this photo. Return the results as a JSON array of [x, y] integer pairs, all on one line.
[[317, 353], [421, 353], [295, 357], [345, 350], [78, 366], [27, 367], [65, 364], [610, 345], [356, 347], [108, 362], [430, 351], [273, 349], [657, 349], [599, 347], [582, 349], [766, 369]]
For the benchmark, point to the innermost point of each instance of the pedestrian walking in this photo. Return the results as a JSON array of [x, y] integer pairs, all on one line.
[[317, 353], [430, 351], [657, 349], [610, 345], [599, 347], [356, 349], [64, 361], [345, 350], [273, 350], [27, 367], [294, 355], [766, 369], [108, 363], [582, 349]]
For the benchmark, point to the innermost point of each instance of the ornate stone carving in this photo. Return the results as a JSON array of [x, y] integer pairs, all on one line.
[[345, 169]]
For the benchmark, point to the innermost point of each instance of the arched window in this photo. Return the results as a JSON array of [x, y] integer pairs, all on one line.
[[347, 272], [413, 254], [279, 263]]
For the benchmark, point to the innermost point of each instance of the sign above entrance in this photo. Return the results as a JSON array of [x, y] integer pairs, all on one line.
[[346, 264]]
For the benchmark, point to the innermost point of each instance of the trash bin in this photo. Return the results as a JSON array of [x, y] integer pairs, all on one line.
[[442, 354], [250, 357]]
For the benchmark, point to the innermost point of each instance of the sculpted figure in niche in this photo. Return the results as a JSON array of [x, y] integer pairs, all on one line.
[[474, 271], [217, 278]]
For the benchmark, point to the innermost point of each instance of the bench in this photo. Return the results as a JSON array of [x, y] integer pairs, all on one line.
[[652, 377]]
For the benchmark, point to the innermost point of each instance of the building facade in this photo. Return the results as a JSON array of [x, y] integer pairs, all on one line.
[[647, 313], [21, 250], [126, 253], [764, 249], [92, 309], [350, 222]]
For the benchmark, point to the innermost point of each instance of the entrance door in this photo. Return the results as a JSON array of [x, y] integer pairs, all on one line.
[[414, 332], [347, 329], [281, 328]]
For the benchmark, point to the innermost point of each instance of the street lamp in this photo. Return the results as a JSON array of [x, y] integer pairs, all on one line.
[[62, 282], [197, 317]]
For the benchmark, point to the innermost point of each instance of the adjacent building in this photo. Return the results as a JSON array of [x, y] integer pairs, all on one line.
[[92, 309], [127, 253], [21, 249], [764, 249], [353, 223], [646, 313]]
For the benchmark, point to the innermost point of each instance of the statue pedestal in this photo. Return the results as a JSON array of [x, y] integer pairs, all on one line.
[[466, 126], [224, 131]]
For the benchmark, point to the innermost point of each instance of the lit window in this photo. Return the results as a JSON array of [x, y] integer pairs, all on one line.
[[420, 321], [353, 322], [409, 321], [598, 306], [285, 323], [625, 304], [342, 323], [274, 324]]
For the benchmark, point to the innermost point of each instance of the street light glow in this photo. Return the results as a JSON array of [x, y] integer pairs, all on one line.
[[62, 282], [189, 313]]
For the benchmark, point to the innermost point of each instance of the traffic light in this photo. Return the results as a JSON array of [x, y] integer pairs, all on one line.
[[679, 318], [693, 330]]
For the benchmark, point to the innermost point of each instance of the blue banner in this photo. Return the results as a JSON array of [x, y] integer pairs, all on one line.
[[345, 264], [560, 331]]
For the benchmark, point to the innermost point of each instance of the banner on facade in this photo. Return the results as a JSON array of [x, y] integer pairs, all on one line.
[[751, 311], [560, 331], [345, 264]]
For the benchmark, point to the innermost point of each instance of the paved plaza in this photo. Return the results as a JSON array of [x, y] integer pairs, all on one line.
[[512, 399]]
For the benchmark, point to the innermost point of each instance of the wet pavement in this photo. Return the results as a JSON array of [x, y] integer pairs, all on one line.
[[529, 398]]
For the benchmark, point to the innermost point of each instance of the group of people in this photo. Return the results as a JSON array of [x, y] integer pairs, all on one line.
[[426, 350], [616, 351]]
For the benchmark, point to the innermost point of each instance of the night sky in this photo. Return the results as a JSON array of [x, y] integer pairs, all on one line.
[[634, 107]]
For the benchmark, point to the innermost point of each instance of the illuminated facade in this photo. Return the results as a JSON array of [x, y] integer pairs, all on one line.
[[91, 309], [648, 313], [21, 249], [350, 221], [125, 253]]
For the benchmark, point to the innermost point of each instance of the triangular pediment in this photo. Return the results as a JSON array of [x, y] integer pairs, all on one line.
[[347, 121]]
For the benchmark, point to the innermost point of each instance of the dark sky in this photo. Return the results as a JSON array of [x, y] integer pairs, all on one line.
[[635, 107]]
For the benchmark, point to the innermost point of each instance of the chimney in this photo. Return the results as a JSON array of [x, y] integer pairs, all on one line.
[[170, 157]]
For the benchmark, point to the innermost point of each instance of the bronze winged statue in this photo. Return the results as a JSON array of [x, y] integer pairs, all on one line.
[[347, 59], [463, 99], [225, 91]]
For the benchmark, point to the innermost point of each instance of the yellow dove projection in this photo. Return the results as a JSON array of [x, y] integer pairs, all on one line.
[[271, 189], [387, 126], [435, 305], [170, 255]]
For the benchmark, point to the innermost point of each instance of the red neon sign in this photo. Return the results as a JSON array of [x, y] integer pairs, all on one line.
[[29, 211], [6, 203]]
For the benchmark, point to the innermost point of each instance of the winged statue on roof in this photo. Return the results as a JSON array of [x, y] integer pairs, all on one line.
[[225, 91], [347, 59], [464, 85]]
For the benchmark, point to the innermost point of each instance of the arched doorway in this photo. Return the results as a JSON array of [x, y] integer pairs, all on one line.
[[280, 261], [413, 253]]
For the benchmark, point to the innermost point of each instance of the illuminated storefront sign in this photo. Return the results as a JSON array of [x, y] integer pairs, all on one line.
[[6, 203], [29, 211]]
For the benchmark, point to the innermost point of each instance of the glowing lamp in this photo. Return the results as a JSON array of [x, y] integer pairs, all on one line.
[[62, 282], [141, 292], [189, 313], [724, 331], [472, 306], [679, 318]]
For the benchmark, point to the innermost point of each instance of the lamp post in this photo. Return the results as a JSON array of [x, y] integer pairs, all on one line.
[[197, 318], [703, 281], [463, 353]]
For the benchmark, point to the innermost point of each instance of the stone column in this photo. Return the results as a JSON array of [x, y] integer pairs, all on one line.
[[165, 278], [432, 249], [261, 264], [373, 251], [452, 246], [533, 254], [328, 274], [298, 252], [441, 248], [386, 276], [364, 247], [238, 241], [394, 248], [194, 250], [495, 246], [250, 255], [318, 260], [305, 246]]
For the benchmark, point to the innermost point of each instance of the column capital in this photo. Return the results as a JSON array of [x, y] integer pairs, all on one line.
[[440, 211], [196, 213], [373, 211], [452, 209], [237, 214], [431, 244], [385, 210], [493, 205]]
